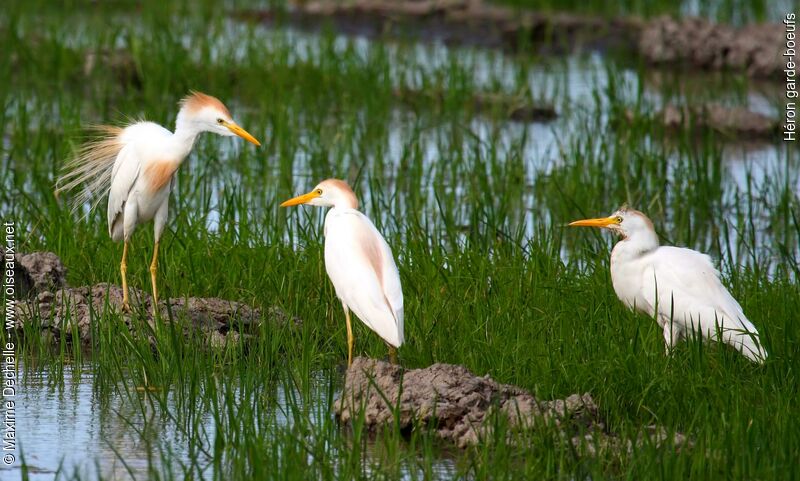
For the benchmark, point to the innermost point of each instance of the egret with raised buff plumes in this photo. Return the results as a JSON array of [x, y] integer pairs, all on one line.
[[679, 287], [135, 166], [360, 265]]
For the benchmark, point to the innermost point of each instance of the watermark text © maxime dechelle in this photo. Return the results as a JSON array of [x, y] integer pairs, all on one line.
[[790, 126], [8, 360]]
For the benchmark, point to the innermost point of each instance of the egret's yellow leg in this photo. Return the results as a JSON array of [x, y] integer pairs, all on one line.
[[392, 354], [123, 269], [153, 271], [350, 340]]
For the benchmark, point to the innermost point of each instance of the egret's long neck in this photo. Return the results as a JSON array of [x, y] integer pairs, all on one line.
[[346, 200], [185, 134], [637, 243]]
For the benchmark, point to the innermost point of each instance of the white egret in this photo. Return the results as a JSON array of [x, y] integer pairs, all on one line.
[[135, 166], [359, 263], [679, 287]]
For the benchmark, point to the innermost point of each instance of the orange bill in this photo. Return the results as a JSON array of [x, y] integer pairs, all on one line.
[[599, 222], [241, 132], [301, 199]]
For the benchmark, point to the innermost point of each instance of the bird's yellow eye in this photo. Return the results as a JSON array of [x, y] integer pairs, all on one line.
[[618, 219], [220, 121], [319, 191]]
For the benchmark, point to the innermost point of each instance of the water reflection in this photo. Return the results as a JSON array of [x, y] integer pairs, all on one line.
[[71, 428]]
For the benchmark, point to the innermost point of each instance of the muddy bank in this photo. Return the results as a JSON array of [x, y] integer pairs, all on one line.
[[119, 62], [691, 42], [461, 407], [516, 108], [455, 22], [38, 271], [697, 43], [735, 124], [58, 311]]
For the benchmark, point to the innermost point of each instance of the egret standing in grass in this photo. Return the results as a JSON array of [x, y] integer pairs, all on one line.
[[135, 165], [678, 286], [359, 263]]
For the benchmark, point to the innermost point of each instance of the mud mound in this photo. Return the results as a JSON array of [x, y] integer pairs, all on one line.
[[38, 271], [736, 122], [119, 62], [698, 43], [57, 310], [460, 407], [516, 108]]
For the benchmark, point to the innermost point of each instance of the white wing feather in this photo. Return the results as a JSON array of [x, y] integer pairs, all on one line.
[[123, 177], [142, 140], [392, 290], [685, 287], [374, 296]]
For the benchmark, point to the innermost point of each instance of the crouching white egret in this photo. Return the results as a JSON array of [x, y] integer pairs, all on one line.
[[680, 287], [359, 263], [136, 164]]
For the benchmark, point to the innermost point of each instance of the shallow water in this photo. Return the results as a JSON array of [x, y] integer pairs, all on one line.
[[67, 425]]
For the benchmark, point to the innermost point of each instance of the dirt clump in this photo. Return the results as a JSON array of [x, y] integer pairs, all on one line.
[[38, 271], [738, 123], [513, 107], [461, 407], [120, 62], [57, 310], [698, 43]]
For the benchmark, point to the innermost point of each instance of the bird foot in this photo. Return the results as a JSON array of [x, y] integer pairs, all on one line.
[[126, 307]]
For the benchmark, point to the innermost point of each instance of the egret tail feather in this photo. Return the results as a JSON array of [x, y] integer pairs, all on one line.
[[92, 167]]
